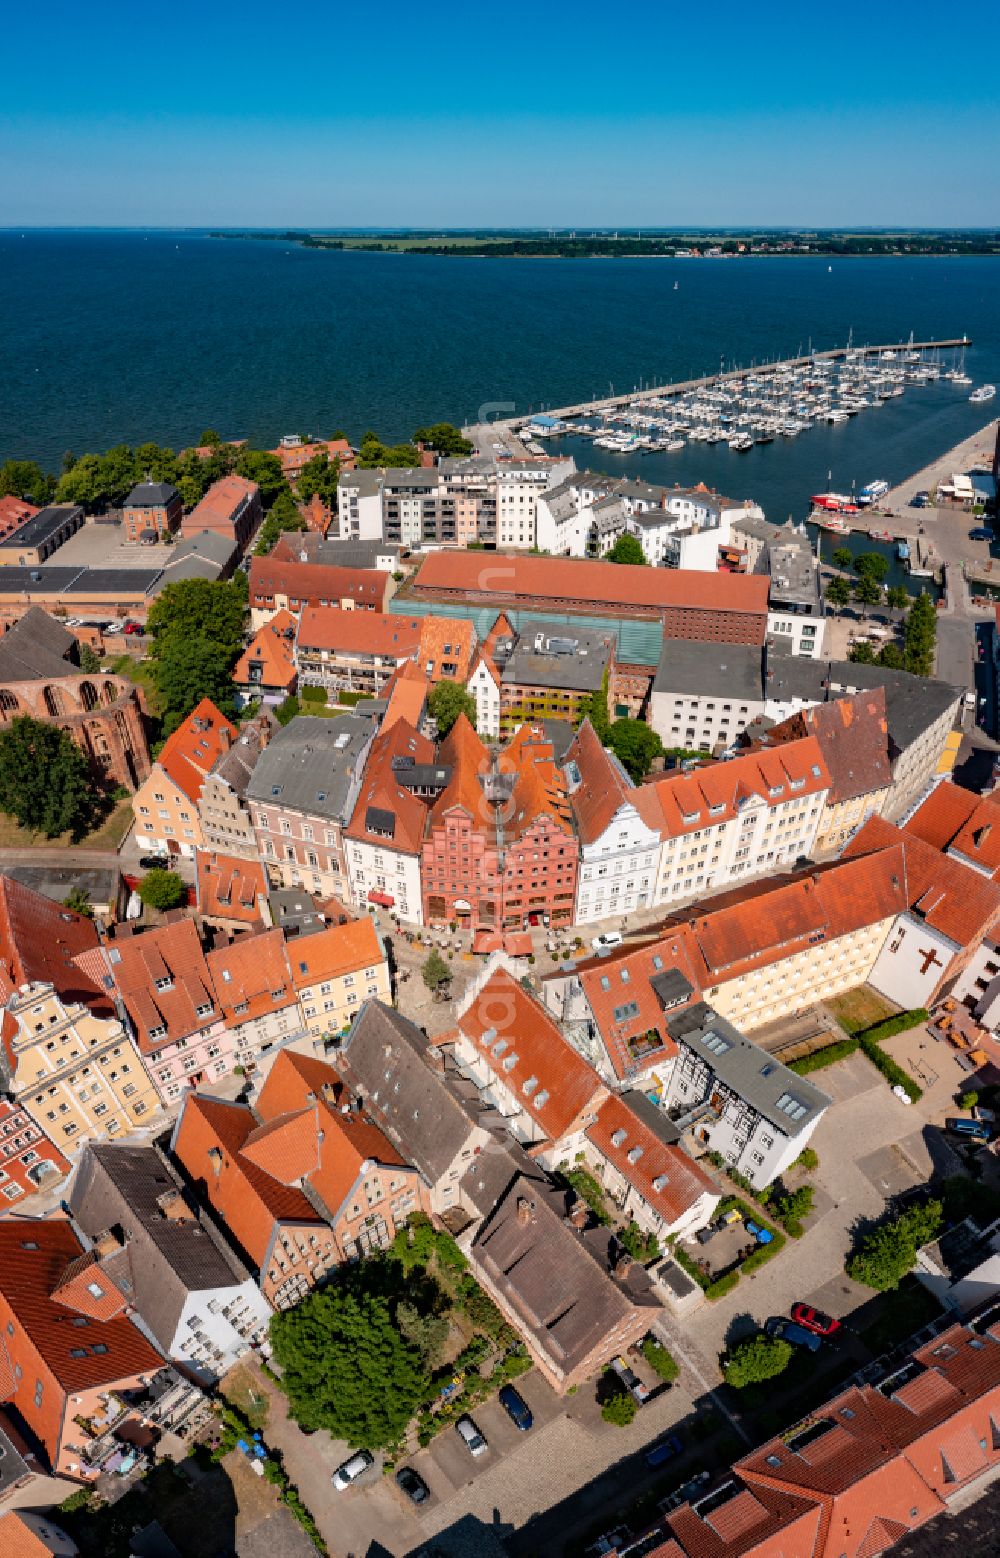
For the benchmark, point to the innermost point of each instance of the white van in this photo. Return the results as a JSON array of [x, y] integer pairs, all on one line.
[[470, 1435], [610, 938]]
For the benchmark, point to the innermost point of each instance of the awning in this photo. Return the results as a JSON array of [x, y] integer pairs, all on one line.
[[487, 941], [518, 943], [384, 900], [463, 906]]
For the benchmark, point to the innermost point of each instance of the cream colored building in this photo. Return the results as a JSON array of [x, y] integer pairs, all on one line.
[[335, 971], [824, 969], [80, 1077]]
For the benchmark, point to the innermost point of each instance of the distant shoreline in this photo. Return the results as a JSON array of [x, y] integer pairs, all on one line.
[[693, 247]]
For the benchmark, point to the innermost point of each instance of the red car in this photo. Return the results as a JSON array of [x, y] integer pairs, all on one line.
[[815, 1319]]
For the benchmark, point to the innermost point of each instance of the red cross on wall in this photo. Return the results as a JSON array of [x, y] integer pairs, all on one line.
[[931, 959]]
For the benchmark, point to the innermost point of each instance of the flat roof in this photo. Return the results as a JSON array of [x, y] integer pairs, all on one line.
[[41, 526], [694, 669]]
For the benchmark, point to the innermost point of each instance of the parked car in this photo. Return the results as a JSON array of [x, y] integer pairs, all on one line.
[[609, 939], [154, 862], [787, 1331], [762, 1235], [980, 533], [412, 1484], [633, 1384], [470, 1435], [133, 627], [114, 627], [667, 1448], [516, 1408], [973, 1130], [352, 1469], [920, 500], [815, 1319]]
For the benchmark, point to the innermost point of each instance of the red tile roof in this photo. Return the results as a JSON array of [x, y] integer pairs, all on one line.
[[163, 979], [714, 795], [525, 1049], [218, 507], [380, 789], [539, 783], [637, 1037], [230, 888], [252, 973], [39, 940], [513, 576], [406, 693], [950, 897], [14, 512], [853, 734], [604, 786], [447, 645], [965, 824], [463, 751], [19, 1539], [354, 632], [271, 654], [666, 1178], [336, 950], [318, 584], [42, 1339], [190, 754]]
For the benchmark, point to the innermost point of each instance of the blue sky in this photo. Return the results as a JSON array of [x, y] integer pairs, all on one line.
[[657, 114]]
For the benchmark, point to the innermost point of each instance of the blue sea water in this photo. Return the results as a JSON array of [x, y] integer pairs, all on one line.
[[125, 336]]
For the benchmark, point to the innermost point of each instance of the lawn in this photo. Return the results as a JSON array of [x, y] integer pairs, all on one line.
[[860, 1008], [239, 1388], [107, 837], [140, 672]]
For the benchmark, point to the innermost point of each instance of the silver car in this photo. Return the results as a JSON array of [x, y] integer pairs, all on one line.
[[471, 1436], [352, 1469]]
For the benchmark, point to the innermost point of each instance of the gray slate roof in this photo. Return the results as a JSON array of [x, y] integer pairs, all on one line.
[[150, 495], [580, 669], [913, 703], [42, 525], [747, 1069], [164, 1259], [310, 766], [385, 1059], [237, 764], [36, 648], [730, 671]]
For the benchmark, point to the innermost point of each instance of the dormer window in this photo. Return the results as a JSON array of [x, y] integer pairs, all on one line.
[[542, 1098], [510, 1063], [204, 1011], [619, 1138], [660, 1182], [529, 1086], [635, 1154], [95, 1290], [165, 982], [159, 1032], [499, 1047]]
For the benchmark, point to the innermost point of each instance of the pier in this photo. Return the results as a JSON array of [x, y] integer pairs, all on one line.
[[612, 403]]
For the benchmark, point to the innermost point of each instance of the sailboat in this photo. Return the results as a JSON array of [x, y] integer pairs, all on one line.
[[676, 285]]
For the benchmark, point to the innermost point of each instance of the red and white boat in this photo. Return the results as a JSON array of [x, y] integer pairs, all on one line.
[[836, 502], [827, 521]]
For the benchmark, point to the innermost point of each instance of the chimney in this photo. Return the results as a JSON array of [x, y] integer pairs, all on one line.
[[435, 1059], [525, 1208], [225, 737], [173, 1207], [623, 1265], [108, 1243], [215, 1158], [579, 1213]]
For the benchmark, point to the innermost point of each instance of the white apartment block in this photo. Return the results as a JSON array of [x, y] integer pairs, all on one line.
[[359, 506], [377, 873], [519, 484]]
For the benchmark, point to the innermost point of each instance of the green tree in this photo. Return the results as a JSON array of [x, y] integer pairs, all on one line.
[[443, 438], [435, 971], [345, 1366], [319, 475], [968, 1100], [265, 469], [184, 672], [862, 654], [208, 437], [920, 636], [867, 592], [757, 1359], [620, 1408], [155, 463], [285, 513], [871, 565], [595, 708], [426, 1334], [210, 609], [25, 479], [898, 596], [90, 661], [78, 900], [891, 656], [162, 890], [843, 556], [45, 780], [662, 1362], [627, 549], [838, 592], [374, 453], [287, 709], [885, 1255], [635, 744], [446, 701]]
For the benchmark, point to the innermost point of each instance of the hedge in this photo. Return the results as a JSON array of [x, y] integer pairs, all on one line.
[[822, 1058], [892, 1025], [694, 1271], [723, 1285], [872, 1039], [314, 694]]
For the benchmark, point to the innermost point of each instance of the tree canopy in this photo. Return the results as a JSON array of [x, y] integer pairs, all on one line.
[[320, 475], [920, 636], [374, 453], [345, 1365], [435, 971], [635, 744], [265, 469], [197, 631], [885, 1255], [757, 1359], [838, 592], [162, 889], [25, 479], [45, 780], [443, 438], [843, 556], [446, 701], [627, 549], [871, 565]]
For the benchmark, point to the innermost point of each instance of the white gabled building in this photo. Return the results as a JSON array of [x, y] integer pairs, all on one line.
[[619, 839], [519, 484], [484, 685]]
